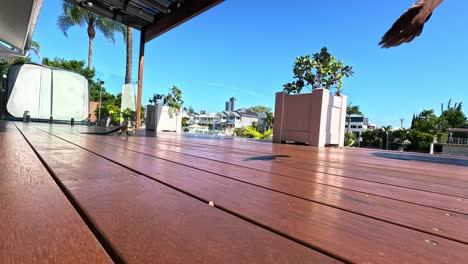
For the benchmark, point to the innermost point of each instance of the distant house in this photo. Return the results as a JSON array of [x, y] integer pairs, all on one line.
[[239, 118], [458, 136], [359, 124], [457, 142]]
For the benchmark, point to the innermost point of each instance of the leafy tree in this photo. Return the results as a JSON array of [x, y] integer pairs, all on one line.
[[426, 122], [452, 117], [74, 15], [95, 86], [321, 70], [420, 141], [34, 48], [269, 120], [260, 109], [387, 129], [397, 137], [372, 138]]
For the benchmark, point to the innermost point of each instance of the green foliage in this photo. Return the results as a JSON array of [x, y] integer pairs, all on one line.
[[452, 117], [240, 132], [372, 138], [269, 120], [353, 110], [442, 137], [420, 141], [425, 122], [173, 99], [349, 139], [95, 86], [321, 70], [129, 114], [252, 132], [185, 121], [260, 109], [71, 65]]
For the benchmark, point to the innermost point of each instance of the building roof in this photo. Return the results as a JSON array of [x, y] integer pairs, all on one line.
[[152, 17], [247, 112], [463, 130], [8, 54], [17, 22]]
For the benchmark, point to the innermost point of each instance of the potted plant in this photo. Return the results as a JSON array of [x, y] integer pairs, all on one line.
[[165, 114], [316, 118]]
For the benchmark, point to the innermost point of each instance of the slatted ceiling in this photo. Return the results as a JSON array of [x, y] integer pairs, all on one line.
[[145, 8], [155, 16]]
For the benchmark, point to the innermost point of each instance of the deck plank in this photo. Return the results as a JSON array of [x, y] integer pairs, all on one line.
[[353, 237], [147, 222], [38, 224], [338, 160], [455, 202], [428, 219], [295, 166]]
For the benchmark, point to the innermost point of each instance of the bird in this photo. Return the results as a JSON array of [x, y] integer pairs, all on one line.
[[410, 24]]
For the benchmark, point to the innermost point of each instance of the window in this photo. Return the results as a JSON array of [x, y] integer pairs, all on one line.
[[353, 126], [359, 126]]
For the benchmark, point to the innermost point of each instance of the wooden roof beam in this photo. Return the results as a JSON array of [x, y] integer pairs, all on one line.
[[186, 11]]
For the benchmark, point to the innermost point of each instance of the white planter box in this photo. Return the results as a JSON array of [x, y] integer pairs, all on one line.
[[316, 119], [160, 120]]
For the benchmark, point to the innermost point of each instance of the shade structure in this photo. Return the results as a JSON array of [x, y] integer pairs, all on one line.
[[17, 22], [151, 17]]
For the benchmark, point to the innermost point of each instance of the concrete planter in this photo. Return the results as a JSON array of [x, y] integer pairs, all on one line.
[[316, 119], [159, 119]]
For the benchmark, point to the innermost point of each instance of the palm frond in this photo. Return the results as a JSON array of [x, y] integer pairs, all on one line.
[[72, 15], [267, 134], [249, 130], [109, 28]]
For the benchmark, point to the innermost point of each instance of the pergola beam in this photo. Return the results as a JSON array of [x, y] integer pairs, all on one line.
[[186, 11]]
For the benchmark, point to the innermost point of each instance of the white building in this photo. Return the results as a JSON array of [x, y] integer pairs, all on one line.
[[359, 124], [226, 119]]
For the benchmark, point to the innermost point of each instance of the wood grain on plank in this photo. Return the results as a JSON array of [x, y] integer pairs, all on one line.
[[37, 222], [353, 237], [147, 222]]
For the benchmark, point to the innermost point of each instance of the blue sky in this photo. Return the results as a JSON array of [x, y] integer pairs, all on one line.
[[247, 48]]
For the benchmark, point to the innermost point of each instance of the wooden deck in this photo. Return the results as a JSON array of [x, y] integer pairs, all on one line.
[[71, 197]]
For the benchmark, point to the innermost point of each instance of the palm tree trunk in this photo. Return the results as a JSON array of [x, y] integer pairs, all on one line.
[[91, 35], [128, 69], [90, 54]]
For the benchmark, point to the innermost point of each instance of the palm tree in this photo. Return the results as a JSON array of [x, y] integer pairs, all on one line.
[[76, 16], [352, 110], [35, 48]]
